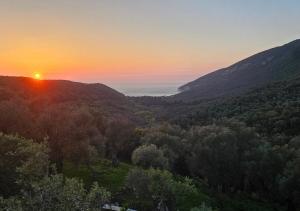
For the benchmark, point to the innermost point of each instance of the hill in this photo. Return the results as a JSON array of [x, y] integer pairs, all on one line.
[[77, 119], [58, 90], [272, 109], [278, 63], [46, 93]]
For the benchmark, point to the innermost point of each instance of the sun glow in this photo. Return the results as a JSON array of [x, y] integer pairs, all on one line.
[[37, 76]]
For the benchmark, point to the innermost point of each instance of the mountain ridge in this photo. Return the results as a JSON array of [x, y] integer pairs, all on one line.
[[277, 63]]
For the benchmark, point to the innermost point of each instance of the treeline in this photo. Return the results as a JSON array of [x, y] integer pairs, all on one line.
[[230, 157], [74, 132]]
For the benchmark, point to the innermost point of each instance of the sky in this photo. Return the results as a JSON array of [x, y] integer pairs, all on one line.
[[139, 47]]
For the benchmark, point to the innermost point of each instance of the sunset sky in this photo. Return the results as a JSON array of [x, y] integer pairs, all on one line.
[[138, 46]]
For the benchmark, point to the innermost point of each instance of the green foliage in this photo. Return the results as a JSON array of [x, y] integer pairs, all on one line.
[[20, 161], [203, 207], [102, 171], [74, 194], [78, 121], [233, 203], [155, 188], [11, 204], [25, 164], [220, 154], [149, 156], [257, 158], [97, 195], [234, 159], [55, 193], [272, 110], [290, 181], [170, 140]]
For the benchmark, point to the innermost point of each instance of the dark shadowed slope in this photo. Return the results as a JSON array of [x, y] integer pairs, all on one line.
[[58, 90], [278, 63], [43, 94]]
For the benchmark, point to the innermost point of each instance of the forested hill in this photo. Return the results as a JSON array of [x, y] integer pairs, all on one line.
[[272, 109], [39, 95], [267, 105], [73, 117], [278, 63], [57, 90]]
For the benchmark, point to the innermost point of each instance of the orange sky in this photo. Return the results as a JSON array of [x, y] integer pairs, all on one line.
[[63, 53], [136, 42]]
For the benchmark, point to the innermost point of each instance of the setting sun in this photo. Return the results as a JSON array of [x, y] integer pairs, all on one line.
[[37, 76]]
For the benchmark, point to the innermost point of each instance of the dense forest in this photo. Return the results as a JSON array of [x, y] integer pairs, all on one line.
[[64, 147]]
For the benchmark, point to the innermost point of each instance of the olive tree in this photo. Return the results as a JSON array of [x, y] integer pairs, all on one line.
[[149, 156]]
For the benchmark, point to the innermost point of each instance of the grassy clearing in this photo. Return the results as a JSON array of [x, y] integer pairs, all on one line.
[[103, 172]]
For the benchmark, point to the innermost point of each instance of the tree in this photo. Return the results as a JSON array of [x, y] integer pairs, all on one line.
[[157, 189], [221, 152], [75, 139], [21, 161], [56, 193], [203, 207], [11, 204], [16, 118], [121, 139], [290, 181], [27, 184], [149, 156], [169, 139], [97, 195]]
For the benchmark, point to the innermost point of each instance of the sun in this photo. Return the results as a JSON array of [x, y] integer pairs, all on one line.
[[37, 76]]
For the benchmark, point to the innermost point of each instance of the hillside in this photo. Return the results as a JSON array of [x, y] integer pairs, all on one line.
[[272, 109], [278, 63], [46, 93], [76, 119], [58, 90]]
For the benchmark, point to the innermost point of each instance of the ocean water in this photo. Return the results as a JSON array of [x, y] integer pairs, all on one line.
[[147, 90]]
